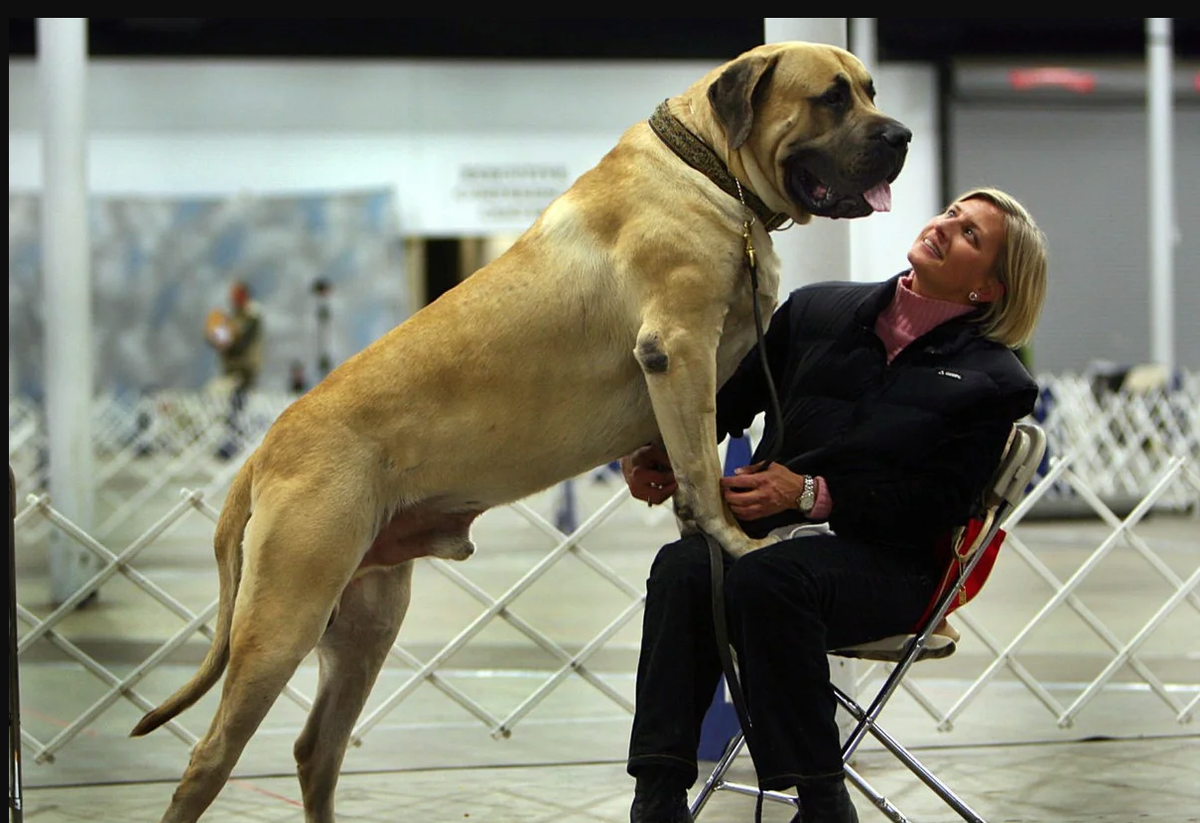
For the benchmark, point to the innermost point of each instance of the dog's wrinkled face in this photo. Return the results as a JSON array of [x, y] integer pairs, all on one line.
[[800, 120]]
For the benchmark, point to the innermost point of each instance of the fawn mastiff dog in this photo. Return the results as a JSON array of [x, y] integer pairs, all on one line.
[[611, 322]]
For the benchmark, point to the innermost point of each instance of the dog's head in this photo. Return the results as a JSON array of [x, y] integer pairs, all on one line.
[[800, 128]]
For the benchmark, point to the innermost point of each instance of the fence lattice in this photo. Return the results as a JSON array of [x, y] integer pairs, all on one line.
[[1103, 446]]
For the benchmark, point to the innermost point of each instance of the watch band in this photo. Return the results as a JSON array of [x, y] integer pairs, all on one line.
[[807, 499]]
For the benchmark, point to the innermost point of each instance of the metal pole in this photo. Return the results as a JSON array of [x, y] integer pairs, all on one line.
[[863, 42], [1159, 99], [16, 780], [820, 250], [864, 45], [66, 289]]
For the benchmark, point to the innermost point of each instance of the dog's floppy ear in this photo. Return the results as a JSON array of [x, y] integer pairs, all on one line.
[[732, 96]]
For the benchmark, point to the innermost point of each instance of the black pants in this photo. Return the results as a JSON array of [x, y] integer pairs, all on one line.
[[786, 605]]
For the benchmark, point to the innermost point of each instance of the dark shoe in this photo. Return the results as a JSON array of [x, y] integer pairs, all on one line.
[[659, 798], [825, 801]]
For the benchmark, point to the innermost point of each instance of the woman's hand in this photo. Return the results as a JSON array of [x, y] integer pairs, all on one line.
[[648, 474], [753, 492]]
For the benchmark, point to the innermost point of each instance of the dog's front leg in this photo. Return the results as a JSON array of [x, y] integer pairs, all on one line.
[[680, 367]]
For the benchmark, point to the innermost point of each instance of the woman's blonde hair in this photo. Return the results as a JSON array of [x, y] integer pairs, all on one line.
[[1020, 267]]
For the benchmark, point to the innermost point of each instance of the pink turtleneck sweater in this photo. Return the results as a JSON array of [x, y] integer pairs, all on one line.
[[906, 318]]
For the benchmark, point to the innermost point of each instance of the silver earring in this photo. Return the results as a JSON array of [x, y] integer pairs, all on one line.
[[973, 297]]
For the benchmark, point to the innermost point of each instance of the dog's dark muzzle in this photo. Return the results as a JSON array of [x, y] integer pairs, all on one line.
[[850, 183]]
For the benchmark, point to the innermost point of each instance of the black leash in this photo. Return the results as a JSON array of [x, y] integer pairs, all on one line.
[[715, 553], [700, 156], [777, 433]]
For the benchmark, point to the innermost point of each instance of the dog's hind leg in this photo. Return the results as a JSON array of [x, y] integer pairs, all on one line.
[[351, 653], [298, 559]]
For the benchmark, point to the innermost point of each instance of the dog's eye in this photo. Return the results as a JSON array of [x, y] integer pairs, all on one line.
[[835, 98]]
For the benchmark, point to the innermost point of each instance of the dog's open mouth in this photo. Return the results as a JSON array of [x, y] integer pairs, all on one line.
[[823, 200]]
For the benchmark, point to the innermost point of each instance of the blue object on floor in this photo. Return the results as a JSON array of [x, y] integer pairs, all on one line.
[[565, 519], [720, 724], [721, 721]]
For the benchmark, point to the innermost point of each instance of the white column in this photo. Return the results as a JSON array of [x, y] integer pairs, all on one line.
[[820, 250], [816, 252], [863, 233], [66, 289], [1163, 233], [863, 42]]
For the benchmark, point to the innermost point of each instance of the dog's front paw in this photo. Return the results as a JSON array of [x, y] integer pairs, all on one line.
[[736, 542], [744, 545]]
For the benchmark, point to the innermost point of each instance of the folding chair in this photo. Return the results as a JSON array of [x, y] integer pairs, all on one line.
[[972, 552]]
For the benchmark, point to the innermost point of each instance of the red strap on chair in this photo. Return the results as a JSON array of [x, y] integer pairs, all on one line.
[[975, 580]]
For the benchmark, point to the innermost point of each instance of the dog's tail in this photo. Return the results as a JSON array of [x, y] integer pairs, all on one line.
[[227, 545]]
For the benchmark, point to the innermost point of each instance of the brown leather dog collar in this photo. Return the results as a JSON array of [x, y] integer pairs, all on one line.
[[693, 151]]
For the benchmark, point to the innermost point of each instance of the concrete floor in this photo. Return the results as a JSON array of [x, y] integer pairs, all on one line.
[[1124, 758], [1093, 782]]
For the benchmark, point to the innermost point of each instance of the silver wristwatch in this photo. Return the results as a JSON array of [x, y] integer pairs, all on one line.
[[807, 499]]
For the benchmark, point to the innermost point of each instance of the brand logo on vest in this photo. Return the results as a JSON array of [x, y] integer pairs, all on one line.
[[944, 373]]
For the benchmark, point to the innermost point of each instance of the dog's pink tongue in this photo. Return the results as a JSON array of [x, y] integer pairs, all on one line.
[[879, 197]]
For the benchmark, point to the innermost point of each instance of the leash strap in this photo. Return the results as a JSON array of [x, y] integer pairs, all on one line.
[[777, 433], [717, 564], [720, 624], [701, 157], [715, 553]]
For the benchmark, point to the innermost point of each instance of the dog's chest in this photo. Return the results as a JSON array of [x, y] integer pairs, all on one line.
[[739, 333]]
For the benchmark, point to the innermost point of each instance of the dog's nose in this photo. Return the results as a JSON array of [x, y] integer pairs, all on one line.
[[895, 134]]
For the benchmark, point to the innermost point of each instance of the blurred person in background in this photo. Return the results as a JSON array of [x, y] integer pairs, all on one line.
[[237, 337]]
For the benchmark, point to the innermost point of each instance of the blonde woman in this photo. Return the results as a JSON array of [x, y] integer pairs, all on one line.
[[897, 399]]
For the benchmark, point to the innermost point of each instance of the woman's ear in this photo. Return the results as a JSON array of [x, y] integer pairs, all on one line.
[[989, 292]]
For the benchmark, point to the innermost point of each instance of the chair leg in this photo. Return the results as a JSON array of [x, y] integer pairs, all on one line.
[[911, 763], [879, 801], [716, 781], [717, 777]]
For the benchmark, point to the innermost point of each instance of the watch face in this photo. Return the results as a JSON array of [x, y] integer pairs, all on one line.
[[808, 497]]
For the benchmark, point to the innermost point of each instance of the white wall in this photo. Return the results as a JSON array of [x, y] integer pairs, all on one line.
[[206, 127], [879, 243], [1081, 170]]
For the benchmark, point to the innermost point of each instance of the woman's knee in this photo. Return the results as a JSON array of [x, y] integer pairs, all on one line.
[[767, 576], [684, 562]]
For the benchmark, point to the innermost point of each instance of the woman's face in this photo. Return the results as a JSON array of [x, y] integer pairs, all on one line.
[[954, 253]]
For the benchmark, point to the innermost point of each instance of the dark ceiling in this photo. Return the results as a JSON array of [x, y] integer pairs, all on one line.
[[899, 38]]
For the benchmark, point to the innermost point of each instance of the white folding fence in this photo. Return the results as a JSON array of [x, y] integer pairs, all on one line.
[[1142, 446], [1119, 442]]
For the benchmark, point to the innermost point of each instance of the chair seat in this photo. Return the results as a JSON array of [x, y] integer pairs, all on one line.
[[891, 649]]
